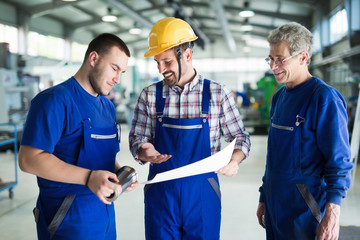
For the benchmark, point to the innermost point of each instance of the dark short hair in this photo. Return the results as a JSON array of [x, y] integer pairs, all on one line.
[[186, 45], [104, 42]]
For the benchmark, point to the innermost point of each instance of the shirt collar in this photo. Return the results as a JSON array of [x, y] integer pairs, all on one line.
[[190, 85]]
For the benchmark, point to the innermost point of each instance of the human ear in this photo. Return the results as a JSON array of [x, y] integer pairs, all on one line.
[[304, 56], [188, 55], [93, 57]]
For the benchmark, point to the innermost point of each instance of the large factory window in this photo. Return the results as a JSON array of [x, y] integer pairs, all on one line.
[[338, 26], [9, 34], [77, 52], [317, 42], [46, 46]]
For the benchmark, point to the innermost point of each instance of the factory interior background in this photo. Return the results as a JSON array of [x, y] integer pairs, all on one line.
[[43, 42]]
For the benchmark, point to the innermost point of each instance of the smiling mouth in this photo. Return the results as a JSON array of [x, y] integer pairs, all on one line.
[[278, 73], [167, 75]]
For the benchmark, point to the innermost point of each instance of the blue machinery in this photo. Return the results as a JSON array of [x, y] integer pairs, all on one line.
[[6, 141]]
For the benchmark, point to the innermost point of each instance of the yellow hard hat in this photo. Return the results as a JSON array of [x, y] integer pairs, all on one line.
[[167, 33]]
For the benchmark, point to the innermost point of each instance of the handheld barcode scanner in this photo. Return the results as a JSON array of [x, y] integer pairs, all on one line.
[[126, 176]]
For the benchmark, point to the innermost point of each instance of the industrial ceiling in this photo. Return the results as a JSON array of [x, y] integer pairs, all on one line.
[[214, 21]]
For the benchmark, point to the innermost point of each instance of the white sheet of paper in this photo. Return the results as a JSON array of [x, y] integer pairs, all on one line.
[[209, 164]]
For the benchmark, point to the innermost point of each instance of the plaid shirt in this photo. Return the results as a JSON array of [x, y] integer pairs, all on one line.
[[224, 117]]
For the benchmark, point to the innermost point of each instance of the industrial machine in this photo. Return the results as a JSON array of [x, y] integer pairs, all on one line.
[[257, 115], [15, 97]]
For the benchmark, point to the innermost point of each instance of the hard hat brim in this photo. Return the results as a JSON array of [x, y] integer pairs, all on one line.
[[154, 52]]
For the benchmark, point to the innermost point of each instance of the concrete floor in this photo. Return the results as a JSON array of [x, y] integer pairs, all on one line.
[[239, 199]]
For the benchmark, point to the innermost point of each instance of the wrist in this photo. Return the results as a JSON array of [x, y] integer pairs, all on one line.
[[332, 209], [238, 156], [88, 178]]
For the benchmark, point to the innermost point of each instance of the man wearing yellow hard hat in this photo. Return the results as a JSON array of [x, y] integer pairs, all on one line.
[[179, 121]]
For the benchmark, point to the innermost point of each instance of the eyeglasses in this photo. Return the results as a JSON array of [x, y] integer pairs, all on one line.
[[279, 62]]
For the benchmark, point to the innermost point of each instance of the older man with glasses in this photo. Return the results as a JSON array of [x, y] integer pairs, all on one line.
[[308, 159]]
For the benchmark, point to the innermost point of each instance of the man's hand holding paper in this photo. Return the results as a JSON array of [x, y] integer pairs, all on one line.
[[218, 161], [231, 169]]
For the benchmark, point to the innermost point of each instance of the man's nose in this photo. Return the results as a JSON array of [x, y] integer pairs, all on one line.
[[273, 66], [116, 79], [161, 68]]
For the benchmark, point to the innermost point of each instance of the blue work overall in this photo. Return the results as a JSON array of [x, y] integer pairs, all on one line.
[[72, 211], [294, 203], [186, 208]]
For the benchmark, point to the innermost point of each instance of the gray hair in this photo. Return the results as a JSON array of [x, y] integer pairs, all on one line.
[[299, 38]]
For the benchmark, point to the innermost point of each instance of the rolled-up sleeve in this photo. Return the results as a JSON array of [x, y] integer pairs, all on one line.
[[141, 125], [231, 124]]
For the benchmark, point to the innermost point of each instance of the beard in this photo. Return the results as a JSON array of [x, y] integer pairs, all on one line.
[[95, 75], [172, 80]]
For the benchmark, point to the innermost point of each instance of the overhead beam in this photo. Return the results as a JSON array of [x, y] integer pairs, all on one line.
[[307, 3], [45, 8], [199, 31], [266, 27], [336, 57], [288, 17], [94, 19], [120, 6], [217, 32], [218, 8]]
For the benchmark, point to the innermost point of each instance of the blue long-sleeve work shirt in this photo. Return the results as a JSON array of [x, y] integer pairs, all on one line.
[[324, 144]]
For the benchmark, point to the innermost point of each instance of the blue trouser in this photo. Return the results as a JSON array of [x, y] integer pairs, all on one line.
[[187, 208], [87, 218]]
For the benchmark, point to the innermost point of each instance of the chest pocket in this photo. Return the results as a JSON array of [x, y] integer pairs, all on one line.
[[99, 136], [283, 146]]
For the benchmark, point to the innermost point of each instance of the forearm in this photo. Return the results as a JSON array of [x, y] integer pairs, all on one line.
[[329, 225], [48, 166], [117, 166], [332, 211], [238, 156], [135, 143], [232, 168], [235, 129], [141, 129], [137, 137], [232, 125]]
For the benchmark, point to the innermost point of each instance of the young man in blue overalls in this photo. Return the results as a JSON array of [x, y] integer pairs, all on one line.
[[70, 142], [308, 159], [178, 121]]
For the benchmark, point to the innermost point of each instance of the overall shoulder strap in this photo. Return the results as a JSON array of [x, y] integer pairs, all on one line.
[[160, 103], [206, 97]]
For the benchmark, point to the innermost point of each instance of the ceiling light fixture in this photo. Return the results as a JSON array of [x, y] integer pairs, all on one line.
[[109, 17], [135, 31], [246, 13]]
